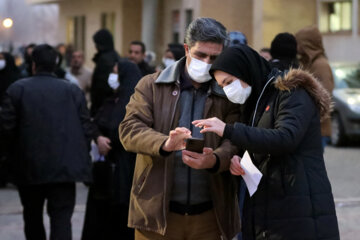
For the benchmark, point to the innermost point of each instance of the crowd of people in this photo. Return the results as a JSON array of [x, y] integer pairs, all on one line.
[[122, 129]]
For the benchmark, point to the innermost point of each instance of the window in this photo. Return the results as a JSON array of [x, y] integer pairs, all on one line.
[[188, 17], [175, 26], [108, 22], [76, 32], [335, 16]]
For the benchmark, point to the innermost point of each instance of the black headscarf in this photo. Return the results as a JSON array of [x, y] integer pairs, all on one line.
[[9, 74], [103, 40], [246, 64], [177, 50]]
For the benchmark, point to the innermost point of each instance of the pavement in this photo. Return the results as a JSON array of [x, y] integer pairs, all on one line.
[[343, 167]]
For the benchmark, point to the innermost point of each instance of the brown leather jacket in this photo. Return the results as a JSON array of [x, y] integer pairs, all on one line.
[[150, 115], [313, 59]]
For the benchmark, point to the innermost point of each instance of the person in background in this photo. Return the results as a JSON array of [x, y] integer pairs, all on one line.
[[61, 48], [81, 73], [280, 129], [313, 59], [176, 193], [137, 55], [283, 51], [236, 38], [173, 53], [47, 124], [9, 73], [104, 60], [107, 206], [26, 66], [265, 53]]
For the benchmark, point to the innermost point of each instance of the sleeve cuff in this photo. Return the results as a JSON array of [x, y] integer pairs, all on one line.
[[229, 128], [216, 167]]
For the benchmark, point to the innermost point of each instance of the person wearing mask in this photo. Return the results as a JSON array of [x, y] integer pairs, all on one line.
[[280, 129], [104, 60], [9, 73], [313, 59], [176, 193], [173, 53], [108, 198], [283, 51], [81, 73], [47, 123], [137, 55]]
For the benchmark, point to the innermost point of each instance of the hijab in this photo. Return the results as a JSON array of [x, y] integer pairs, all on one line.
[[247, 65]]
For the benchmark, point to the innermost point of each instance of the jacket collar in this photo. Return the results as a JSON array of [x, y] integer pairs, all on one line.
[[172, 75]]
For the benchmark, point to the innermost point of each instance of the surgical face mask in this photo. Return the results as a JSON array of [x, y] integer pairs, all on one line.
[[168, 61], [113, 81], [236, 93], [2, 64], [199, 70]]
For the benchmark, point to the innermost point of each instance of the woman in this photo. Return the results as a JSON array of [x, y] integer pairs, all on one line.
[[108, 199], [281, 130]]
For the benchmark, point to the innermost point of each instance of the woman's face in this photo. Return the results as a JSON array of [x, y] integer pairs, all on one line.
[[224, 79]]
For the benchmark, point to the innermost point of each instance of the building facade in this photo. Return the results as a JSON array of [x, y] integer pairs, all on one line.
[[158, 22]]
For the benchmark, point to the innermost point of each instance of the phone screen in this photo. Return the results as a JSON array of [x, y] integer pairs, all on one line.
[[195, 145]]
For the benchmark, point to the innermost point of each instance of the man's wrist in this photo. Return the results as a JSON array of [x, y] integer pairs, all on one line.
[[216, 165]]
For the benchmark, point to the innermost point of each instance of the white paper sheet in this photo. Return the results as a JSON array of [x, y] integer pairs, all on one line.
[[252, 175]]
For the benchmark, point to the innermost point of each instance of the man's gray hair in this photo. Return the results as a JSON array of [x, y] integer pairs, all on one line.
[[205, 30]]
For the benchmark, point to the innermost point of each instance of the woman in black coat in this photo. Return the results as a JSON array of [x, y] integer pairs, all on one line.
[[108, 200], [280, 128]]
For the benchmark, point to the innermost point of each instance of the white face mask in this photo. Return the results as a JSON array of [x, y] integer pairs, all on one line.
[[199, 70], [236, 93], [113, 81], [2, 64], [168, 61]]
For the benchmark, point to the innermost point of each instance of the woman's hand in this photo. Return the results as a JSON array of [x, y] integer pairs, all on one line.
[[235, 167], [176, 140], [214, 125]]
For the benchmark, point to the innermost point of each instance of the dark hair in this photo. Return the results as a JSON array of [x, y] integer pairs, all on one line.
[[44, 56], [284, 46], [205, 30], [143, 48]]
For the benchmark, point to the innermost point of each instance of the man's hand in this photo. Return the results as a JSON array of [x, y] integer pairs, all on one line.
[[176, 140], [235, 167], [211, 125], [103, 144], [204, 160]]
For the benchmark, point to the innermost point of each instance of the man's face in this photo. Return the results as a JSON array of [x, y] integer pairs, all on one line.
[[204, 51], [77, 59], [135, 53]]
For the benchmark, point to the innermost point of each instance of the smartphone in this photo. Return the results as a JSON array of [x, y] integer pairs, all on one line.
[[195, 145]]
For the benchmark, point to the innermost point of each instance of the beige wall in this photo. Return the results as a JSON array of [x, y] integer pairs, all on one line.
[[131, 23], [285, 16], [236, 15]]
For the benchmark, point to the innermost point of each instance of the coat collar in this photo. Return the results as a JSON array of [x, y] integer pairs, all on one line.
[[172, 75]]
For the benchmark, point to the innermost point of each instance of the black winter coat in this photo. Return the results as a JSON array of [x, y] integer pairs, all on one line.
[[294, 198], [108, 119], [49, 123]]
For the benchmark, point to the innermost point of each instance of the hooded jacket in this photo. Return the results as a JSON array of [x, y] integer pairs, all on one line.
[[282, 135], [105, 60], [313, 59], [150, 115]]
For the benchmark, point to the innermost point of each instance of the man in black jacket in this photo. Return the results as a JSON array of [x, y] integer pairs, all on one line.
[[47, 122]]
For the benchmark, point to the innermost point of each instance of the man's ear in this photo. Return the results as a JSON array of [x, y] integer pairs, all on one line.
[[187, 49]]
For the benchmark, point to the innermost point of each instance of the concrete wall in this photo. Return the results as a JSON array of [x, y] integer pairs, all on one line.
[[236, 15], [285, 16]]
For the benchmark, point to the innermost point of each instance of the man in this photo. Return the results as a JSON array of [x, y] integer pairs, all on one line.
[[137, 55], [81, 73], [105, 60], [313, 59], [49, 125], [182, 194]]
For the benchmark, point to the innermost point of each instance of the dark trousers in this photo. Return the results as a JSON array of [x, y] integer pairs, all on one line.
[[60, 206], [105, 220]]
